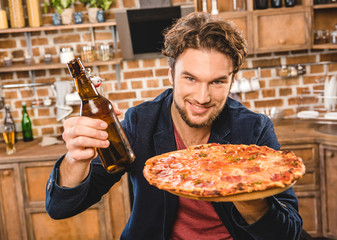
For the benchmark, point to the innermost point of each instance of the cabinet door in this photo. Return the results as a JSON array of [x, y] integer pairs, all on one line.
[[329, 190], [281, 30], [91, 224], [307, 188], [242, 21], [310, 156], [12, 226], [310, 211]]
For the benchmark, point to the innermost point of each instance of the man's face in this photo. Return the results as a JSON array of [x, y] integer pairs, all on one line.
[[201, 83]]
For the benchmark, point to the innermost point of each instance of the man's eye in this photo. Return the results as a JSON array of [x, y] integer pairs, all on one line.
[[218, 82], [191, 79]]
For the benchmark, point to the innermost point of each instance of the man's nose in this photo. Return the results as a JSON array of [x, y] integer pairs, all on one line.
[[203, 94]]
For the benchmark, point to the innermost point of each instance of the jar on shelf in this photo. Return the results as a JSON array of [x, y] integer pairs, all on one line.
[[321, 36], [34, 13], [66, 54], [3, 16], [16, 17], [105, 52], [88, 53]]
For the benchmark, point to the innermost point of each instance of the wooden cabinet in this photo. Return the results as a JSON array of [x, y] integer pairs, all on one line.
[[22, 202], [308, 188], [324, 18], [12, 222], [328, 155], [281, 29]]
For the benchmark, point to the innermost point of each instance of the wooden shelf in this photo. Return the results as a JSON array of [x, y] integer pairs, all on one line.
[[324, 46], [43, 66], [60, 27], [322, 6]]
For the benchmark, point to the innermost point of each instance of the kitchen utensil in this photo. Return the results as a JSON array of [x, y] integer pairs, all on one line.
[[332, 88], [2, 99], [326, 90], [331, 115], [61, 89], [235, 87], [254, 83], [307, 114], [245, 85]]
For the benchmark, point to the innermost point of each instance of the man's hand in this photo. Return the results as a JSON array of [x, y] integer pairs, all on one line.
[[252, 210], [82, 136]]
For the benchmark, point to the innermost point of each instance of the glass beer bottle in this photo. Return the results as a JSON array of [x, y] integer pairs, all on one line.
[[26, 124], [9, 132], [119, 155]]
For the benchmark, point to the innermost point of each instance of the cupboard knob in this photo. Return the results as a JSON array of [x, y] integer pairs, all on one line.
[[6, 173], [330, 154], [282, 41]]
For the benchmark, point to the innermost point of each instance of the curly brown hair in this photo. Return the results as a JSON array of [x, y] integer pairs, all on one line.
[[205, 31]]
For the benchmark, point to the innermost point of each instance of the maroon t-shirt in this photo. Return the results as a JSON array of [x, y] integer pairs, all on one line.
[[197, 219]]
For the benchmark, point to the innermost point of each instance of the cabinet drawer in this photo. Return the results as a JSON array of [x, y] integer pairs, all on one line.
[[282, 30]]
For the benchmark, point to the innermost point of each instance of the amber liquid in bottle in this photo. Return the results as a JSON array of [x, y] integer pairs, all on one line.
[[119, 155]]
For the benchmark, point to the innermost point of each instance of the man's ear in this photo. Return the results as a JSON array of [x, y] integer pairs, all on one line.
[[170, 76]]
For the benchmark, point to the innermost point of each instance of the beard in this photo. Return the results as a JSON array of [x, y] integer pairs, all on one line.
[[207, 122]]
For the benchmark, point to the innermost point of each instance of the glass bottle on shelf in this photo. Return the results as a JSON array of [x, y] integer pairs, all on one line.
[[27, 131], [261, 4], [289, 3], [119, 155], [238, 5], [8, 132], [333, 35], [3, 16], [276, 3]]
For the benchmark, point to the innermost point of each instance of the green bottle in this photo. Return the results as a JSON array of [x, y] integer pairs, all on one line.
[[26, 124]]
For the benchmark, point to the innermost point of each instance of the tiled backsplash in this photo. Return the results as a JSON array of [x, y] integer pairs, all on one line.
[[142, 80]]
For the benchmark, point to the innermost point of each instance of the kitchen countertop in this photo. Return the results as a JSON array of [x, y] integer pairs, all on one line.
[[31, 151], [287, 131], [291, 132]]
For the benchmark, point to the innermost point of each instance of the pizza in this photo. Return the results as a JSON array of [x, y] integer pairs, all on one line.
[[215, 170]]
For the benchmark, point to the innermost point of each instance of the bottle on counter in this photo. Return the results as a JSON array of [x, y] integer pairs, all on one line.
[[9, 119], [119, 155], [9, 132], [27, 131]]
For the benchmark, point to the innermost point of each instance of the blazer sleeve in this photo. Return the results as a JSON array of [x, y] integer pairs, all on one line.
[[63, 202]]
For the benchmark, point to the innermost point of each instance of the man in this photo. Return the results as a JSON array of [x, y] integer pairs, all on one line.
[[204, 54]]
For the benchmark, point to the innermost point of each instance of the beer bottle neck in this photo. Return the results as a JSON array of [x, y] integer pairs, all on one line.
[[85, 87]]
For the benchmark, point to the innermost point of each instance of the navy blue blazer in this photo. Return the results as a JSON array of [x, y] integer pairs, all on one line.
[[149, 130]]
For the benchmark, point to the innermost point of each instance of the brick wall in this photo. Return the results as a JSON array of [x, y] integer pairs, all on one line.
[[142, 80]]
